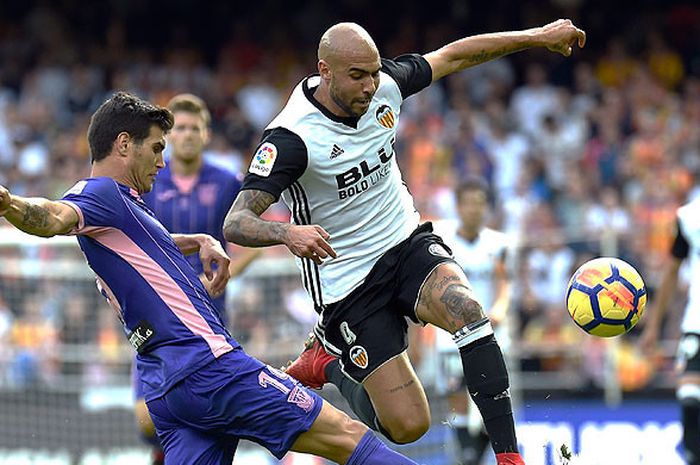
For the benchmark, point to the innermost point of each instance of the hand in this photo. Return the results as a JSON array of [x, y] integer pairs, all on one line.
[[309, 242], [5, 200], [210, 253], [207, 283], [561, 35]]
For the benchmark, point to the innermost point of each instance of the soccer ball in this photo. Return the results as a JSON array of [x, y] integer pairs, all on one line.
[[606, 297]]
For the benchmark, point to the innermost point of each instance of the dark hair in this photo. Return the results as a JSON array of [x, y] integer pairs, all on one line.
[[190, 104], [124, 112], [472, 183]]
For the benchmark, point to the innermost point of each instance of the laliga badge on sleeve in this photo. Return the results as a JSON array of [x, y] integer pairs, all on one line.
[[263, 160]]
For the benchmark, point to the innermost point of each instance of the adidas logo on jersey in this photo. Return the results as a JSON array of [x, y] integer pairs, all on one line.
[[336, 151]]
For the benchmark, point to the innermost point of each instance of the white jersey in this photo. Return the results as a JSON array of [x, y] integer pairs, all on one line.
[[342, 174], [687, 245], [478, 259]]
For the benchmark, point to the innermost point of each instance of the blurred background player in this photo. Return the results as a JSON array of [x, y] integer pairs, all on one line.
[[191, 195], [481, 252], [686, 245]]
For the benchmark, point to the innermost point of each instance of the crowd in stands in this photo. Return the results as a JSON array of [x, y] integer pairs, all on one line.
[[585, 156]]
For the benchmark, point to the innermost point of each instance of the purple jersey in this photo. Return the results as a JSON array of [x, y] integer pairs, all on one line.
[[199, 209], [167, 314]]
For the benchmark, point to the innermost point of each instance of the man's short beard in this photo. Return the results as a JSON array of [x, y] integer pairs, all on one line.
[[343, 106]]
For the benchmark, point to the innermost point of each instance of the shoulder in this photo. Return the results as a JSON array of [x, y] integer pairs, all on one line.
[[298, 108], [411, 73], [102, 186], [280, 141]]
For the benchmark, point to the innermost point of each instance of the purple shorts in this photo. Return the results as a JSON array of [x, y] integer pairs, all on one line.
[[201, 419]]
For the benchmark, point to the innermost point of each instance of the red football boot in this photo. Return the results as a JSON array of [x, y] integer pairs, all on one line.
[[509, 458], [309, 367]]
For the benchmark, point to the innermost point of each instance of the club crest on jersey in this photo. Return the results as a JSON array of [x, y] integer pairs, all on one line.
[[263, 160], [358, 356], [439, 251], [301, 398], [385, 116]]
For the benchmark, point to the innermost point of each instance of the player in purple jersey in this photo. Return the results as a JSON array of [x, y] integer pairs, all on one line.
[[191, 195], [203, 391]]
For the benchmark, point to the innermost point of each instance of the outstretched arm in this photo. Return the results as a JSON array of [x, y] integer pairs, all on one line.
[[559, 36], [37, 216], [243, 226]]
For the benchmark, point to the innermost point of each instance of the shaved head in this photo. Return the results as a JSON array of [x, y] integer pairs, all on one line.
[[349, 65], [346, 41]]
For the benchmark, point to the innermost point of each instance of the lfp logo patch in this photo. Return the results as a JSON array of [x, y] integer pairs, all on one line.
[[385, 116], [263, 160]]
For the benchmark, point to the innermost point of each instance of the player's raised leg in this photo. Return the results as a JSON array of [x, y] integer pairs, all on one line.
[[447, 301]]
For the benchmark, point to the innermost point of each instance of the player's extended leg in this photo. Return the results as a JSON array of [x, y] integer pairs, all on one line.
[[399, 400], [337, 437], [688, 395], [446, 301]]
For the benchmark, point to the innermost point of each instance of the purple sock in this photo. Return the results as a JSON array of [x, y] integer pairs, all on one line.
[[372, 451]]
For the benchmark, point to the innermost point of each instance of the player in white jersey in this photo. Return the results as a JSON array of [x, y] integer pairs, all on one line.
[[481, 252], [685, 246], [365, 260]]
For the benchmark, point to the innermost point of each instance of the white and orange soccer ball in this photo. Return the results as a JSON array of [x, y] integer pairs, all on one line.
[[606, 297]]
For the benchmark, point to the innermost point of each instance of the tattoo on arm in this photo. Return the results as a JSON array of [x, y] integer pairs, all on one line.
[[256, 201], [483, 55], [244, 226], [35, 216]]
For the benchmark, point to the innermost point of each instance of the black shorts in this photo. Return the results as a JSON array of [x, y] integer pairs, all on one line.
[[368, 327], [689, 353]]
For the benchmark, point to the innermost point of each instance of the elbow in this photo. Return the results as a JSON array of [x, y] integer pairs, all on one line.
[[230, 228]]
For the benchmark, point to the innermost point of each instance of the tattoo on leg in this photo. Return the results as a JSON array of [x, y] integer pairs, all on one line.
[[431, 285], [460, 305], [35, 216], [403, 386], [445, 281]]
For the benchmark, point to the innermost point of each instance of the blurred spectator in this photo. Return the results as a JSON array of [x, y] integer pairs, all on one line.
[[615, 67], [534, 100]]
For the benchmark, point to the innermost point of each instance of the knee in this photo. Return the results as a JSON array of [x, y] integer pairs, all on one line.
[[406, 429]]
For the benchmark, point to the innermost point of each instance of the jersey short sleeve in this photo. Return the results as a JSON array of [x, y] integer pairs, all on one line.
[[279, 160], [680, 248], [411, 72], [98, 202]]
